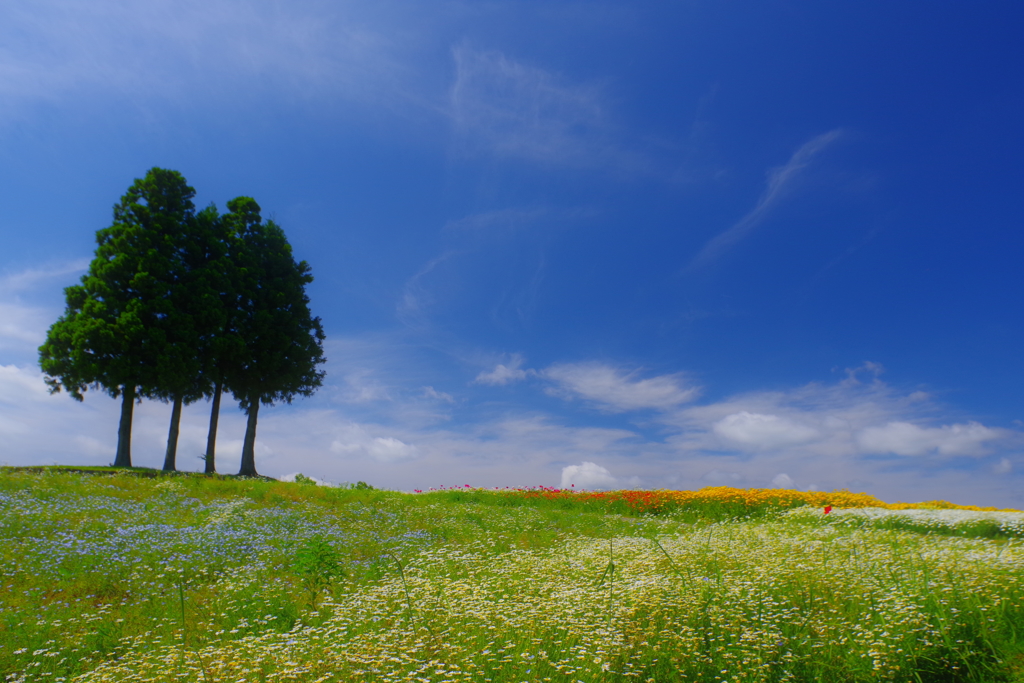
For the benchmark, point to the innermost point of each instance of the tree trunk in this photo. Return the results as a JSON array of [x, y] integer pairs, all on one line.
[[124, 428], [211, 437], [249, 445], [172, 436]]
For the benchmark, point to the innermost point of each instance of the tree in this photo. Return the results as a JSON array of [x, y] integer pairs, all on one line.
[[195, 318], [113, 333], [283, 340], [222, 352]]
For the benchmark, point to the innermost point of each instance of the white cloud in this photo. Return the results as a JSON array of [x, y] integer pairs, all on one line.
[[782, 481], [390, 449], [416, 298], [214, 51], [23, 326], [762, 432], [362, 387], [358, 440], [31, 277], [617, 391], [504, 374], [587, 475], [819, 431], [905, 438], [503, 107], [780, 180], [842, 420], [19, 386], [435, 395]]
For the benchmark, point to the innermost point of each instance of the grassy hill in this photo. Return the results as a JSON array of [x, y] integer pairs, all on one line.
[[159, 578]]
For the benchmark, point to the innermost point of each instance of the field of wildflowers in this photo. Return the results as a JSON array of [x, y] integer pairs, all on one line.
[[121, 577]]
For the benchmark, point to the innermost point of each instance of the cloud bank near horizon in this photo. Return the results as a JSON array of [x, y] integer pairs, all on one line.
[[610, 426]]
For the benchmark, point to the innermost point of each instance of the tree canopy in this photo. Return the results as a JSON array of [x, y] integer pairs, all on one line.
[[283, 340], [178, 305], [114, 332]]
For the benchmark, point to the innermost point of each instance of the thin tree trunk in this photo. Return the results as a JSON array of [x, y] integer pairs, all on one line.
[[248, 468], [211, 437], [124, 428], [172, 436]]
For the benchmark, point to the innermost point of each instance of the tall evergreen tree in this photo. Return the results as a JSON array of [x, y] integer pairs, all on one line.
[[113, 333], [223, 348], [283, 340], [195, 319]]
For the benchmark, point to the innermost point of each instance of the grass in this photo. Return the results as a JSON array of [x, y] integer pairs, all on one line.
[[161, 578]]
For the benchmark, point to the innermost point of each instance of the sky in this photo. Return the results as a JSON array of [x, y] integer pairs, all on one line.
[[595, 245]]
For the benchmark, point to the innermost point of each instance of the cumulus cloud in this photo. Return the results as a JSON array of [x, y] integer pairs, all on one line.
[[755, 431], [905, 438], [587, 475], [847, 419], [357, 440], [619, 391], [1004, 466], [505, 374], [782, 481]]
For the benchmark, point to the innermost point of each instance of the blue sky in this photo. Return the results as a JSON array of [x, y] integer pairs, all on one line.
[[654, 244]]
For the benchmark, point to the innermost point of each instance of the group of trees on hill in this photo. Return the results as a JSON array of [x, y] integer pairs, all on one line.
[[179, 305]]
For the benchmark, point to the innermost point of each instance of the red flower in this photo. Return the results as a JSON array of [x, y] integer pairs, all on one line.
[[828, 509]]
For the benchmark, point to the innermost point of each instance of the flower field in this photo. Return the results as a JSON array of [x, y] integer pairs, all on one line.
[[126, 578]]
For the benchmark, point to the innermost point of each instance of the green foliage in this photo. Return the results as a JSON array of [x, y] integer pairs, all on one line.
[[301, 478], [179, 304], [318, 563], [283, 341], [117, 329]]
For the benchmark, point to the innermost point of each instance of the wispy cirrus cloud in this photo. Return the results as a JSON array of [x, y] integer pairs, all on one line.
[[23, 322], [780, 181], [31, 278], [506, 108], [217, 51]]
